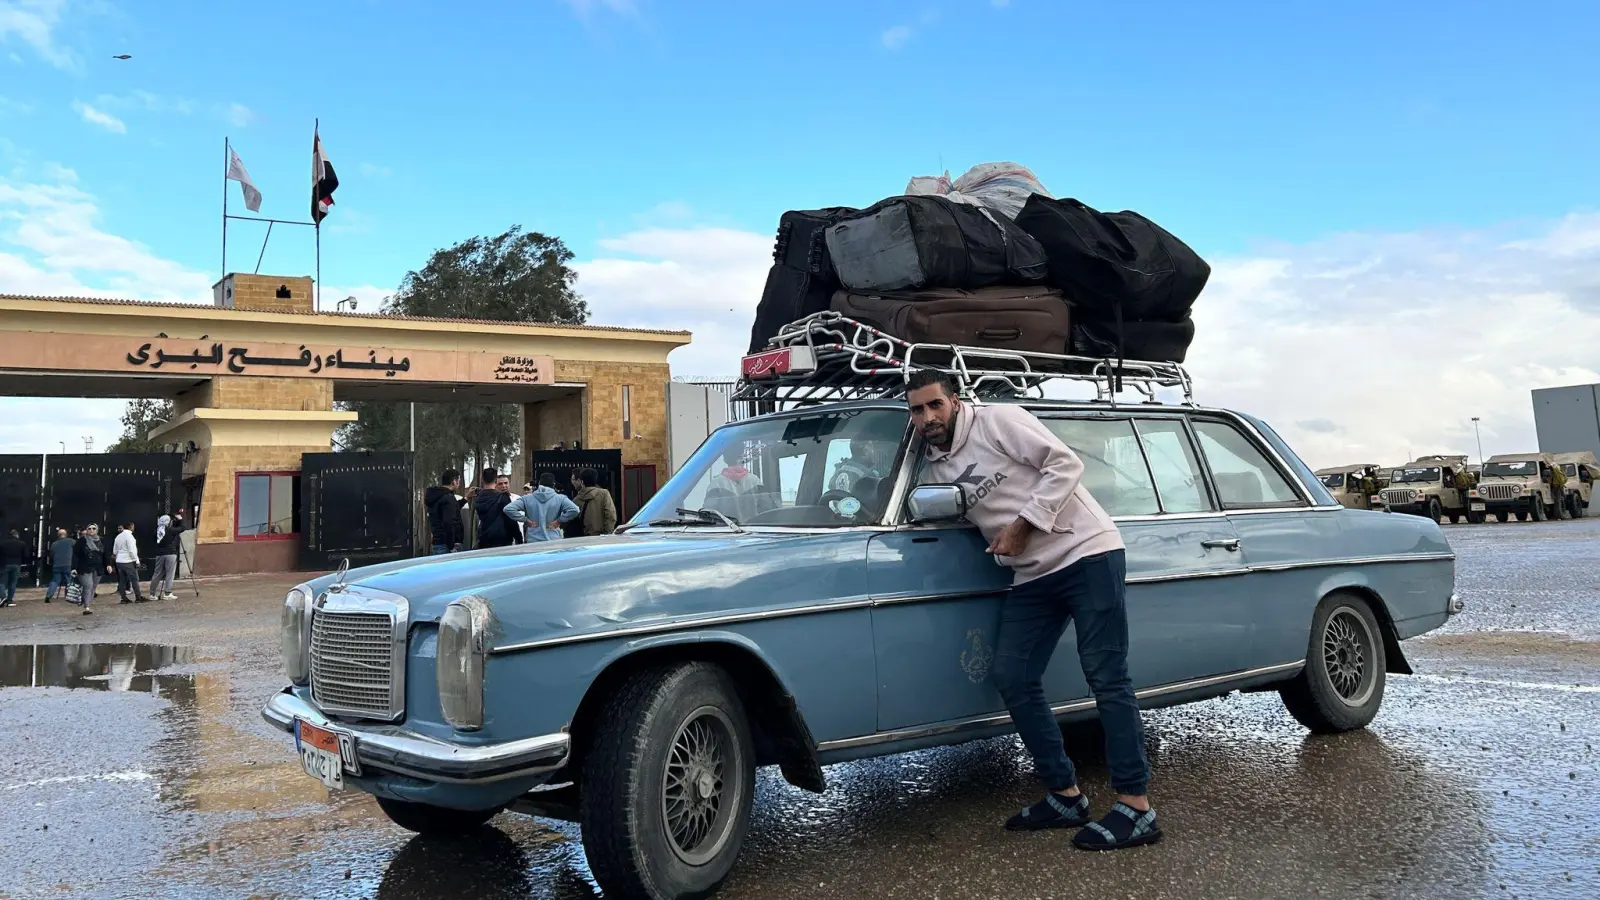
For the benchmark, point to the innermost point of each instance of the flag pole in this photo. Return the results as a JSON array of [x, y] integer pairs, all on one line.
[[315, 125], [226, 148]]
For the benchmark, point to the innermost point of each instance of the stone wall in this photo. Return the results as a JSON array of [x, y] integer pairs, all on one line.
[[258, 392], [263, 292]]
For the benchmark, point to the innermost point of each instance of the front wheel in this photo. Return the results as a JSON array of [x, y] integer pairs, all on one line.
[[1341, 687], [1502, 517], [1435, 512], [1537, 513], [437, 821], [668, 783]]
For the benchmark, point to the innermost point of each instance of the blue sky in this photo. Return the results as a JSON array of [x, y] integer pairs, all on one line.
[[1295, 143]]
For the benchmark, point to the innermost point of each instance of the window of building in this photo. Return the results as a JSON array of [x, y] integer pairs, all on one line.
[[1244, 476], [627, 412], [267, 505]]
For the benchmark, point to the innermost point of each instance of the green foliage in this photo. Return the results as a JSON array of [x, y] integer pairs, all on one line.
[[513, 277], [137, 420]]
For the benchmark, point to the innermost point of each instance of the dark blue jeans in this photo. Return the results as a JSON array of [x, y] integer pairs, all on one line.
[[1032, 620], [440, 548], [60, 576], [8, 582]]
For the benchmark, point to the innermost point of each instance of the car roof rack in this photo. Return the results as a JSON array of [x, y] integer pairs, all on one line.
[[831, 358]]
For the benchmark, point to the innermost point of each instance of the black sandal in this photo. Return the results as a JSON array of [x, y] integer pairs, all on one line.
[[1122, 827]]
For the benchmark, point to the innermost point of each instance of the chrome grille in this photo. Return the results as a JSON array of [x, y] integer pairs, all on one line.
[[352, 662], [1497, 491], [1400, 497]]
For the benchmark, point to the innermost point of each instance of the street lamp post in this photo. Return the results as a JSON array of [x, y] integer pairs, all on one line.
[[1479, 436]]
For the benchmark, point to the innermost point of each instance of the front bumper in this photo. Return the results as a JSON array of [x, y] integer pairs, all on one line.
[[391, 749]]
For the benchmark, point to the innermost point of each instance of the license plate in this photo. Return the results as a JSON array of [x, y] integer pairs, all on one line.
[[321, 754], [1480, 507]]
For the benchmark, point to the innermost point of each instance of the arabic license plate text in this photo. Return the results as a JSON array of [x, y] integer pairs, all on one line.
[[1479, 507], [319, 755]]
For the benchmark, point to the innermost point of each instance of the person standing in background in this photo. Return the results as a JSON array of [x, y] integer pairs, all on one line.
[[89, 557], [125, 552], [165, 568], [12, 552], [599, 511], [542, 511], [61, 552], [494, 529], [444, 513]]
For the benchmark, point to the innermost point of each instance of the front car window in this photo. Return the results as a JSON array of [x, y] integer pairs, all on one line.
[[816, 470], [1243, 475], [1523, 469], [1334, 481], [1423, 474]]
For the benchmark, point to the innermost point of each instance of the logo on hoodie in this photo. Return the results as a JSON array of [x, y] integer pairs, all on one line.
[[980, 485]]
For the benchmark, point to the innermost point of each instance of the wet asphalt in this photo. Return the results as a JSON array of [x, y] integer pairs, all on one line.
[[135, 764]]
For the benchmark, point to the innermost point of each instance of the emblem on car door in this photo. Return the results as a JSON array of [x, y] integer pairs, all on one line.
[[975, 659]]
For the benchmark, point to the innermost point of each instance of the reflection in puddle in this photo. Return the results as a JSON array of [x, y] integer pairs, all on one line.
[[104, 667]]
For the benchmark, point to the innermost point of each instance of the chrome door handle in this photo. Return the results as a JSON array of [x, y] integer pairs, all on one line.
[[1229, 544]]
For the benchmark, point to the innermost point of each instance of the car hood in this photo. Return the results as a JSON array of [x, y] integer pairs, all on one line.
[[574, 586]]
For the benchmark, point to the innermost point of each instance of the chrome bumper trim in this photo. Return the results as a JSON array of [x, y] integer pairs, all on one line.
[[393, 750], [1457, 604]]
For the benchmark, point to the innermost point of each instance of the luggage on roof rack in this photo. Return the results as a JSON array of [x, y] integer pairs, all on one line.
[[831, 358]]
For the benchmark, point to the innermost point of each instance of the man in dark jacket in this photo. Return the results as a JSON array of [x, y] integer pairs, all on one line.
[[12, 552], [494, 529], [598, 510], [62, 551], [444, 513], [165, 567]]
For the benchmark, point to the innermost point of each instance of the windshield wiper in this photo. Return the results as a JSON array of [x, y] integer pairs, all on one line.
[[691, 517]]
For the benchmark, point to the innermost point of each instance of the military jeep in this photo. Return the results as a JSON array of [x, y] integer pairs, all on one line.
[[1435, 487], [1525, 485], [1357, 486], [1581, 470]]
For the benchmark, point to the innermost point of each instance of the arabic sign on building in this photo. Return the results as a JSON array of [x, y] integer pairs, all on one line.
[[207, 357]]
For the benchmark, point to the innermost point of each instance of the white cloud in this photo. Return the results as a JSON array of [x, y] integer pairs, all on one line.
[[96, 117], [145, 101], [372, 170], [33, 22], [1357, 347], [239, 115], [896, 37]]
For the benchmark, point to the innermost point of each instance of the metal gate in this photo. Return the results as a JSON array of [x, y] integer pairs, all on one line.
[[20, 497], [564, 464], [354, 506], [108, 489]]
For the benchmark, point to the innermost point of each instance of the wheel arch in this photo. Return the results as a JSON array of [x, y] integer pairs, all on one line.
[[1395, 662], [780, 733]]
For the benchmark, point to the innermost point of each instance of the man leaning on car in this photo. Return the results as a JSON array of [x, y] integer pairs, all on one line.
[[1069, 565]]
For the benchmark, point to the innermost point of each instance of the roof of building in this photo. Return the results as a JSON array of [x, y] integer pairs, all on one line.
[[377, 317]]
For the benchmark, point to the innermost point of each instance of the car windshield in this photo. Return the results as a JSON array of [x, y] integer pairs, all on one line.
[[1571, 469], [818, 470], [1333, 481], [1511, 469], [1423, 474]]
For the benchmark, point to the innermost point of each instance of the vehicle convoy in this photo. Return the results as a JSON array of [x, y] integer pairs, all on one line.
[[1435, 487], [1526, 485], [1355, 487], [1581, 469], [633, 682]]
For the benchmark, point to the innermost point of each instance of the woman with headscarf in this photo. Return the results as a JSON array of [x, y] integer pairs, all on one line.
[[90, 559], [165, 567]]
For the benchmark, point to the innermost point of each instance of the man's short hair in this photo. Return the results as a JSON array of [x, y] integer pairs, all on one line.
[[449, 477], [490, 475], [547, 479], [589, 477], [922, 378]]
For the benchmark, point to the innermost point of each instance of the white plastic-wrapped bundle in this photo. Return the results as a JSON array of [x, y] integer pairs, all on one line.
[[1001, 186]]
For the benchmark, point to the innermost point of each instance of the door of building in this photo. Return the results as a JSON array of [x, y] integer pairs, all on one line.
[[111, 489], [21, 493], [355, 506]]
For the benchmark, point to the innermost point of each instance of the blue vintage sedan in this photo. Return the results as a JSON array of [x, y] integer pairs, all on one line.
[[794, 597]]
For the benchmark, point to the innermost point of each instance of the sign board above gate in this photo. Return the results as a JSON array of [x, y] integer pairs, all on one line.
[[60, 352]]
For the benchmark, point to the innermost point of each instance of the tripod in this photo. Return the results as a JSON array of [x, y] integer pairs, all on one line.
[[183, 561]]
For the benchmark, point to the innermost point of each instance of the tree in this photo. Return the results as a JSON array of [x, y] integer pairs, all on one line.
[[137, 421], [516, 276]]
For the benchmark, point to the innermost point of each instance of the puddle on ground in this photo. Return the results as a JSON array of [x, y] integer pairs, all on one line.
[[103, 667]]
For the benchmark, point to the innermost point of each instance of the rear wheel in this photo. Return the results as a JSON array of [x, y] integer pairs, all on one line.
[[1341, 687], [437, 821], [1579, 507], [1455, 518], [1502, 517], [668, 784]]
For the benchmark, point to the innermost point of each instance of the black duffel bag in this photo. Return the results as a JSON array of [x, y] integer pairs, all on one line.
[[929, 242], [1104, 261], [801, 280], [1141, 340]]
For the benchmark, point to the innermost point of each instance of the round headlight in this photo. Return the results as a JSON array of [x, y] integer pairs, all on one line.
[[295, 635], [463, 641]]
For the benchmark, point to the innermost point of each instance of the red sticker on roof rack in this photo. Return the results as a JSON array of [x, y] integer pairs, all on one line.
[[783, 361]]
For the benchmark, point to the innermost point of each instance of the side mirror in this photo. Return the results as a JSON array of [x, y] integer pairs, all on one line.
[[936, 503]]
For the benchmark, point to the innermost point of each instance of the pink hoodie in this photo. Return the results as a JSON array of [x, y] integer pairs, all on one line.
[[1011, 465]]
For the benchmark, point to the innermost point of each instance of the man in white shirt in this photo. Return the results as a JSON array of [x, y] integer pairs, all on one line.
[[125, 550]]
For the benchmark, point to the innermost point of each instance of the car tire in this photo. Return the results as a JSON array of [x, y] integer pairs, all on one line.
[[1537, 511], [1522, 515], [1435, 511], [435, 821], [1455, 518], [1502, 517], [1579, 508], [1341, 686], [648, 784]]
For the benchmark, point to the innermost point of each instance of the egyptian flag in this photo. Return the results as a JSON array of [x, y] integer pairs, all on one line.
[[323, 180]]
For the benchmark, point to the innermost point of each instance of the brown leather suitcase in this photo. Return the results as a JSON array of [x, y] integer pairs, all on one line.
[[1031, 319]]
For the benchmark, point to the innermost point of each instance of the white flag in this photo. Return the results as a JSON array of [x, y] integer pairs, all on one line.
[[236, 172]]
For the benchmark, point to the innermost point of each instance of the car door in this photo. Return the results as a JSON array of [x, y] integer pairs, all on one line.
[[937, 593], [1285, 538]]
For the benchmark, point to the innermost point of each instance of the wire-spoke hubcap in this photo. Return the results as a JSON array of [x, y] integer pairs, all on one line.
[[701, 794], [1347, 653]]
